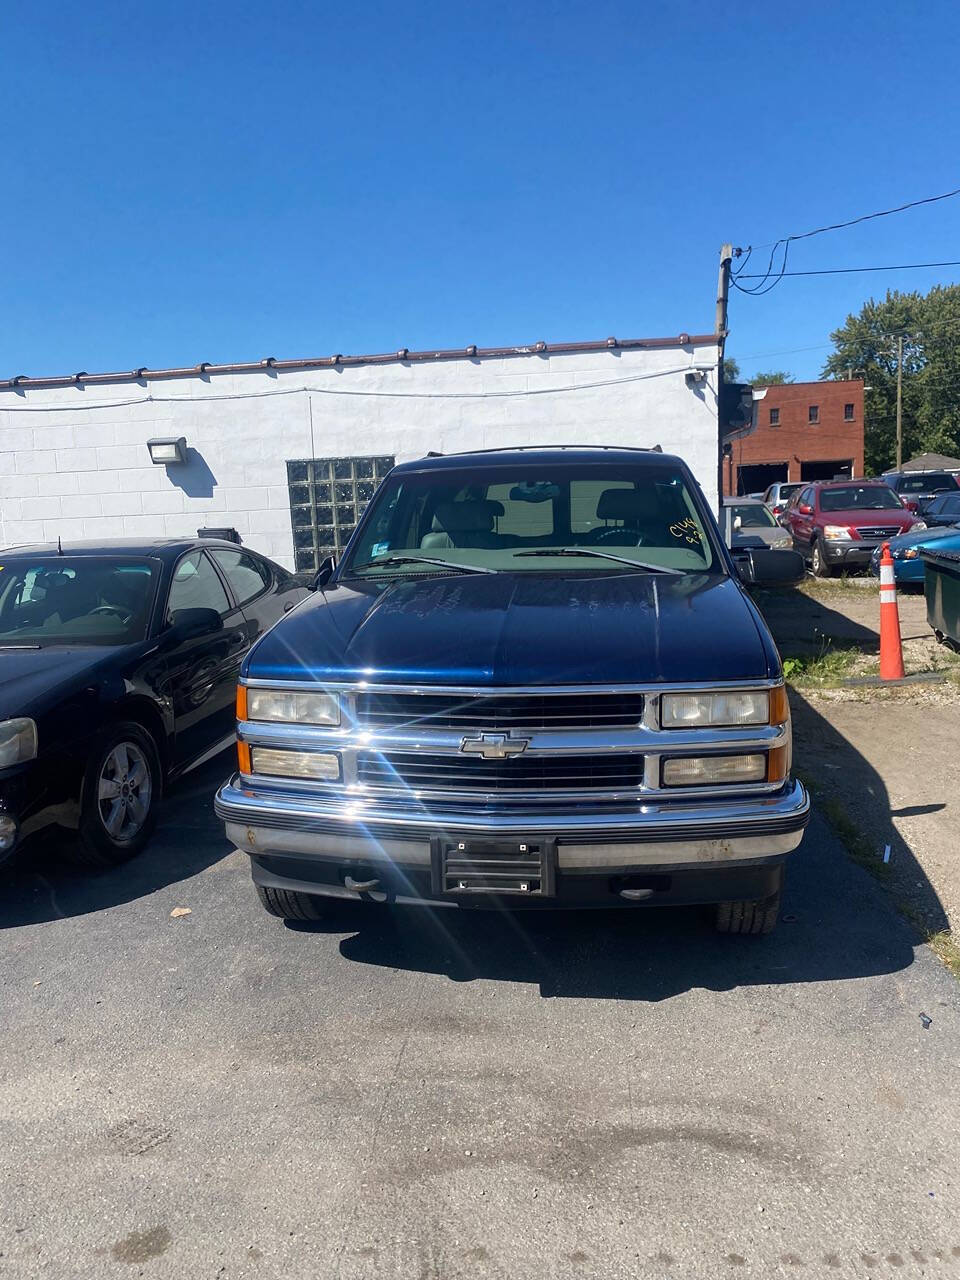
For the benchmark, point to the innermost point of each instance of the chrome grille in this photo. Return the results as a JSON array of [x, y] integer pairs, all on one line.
[[554, 772], [878, 531], [499, 711]]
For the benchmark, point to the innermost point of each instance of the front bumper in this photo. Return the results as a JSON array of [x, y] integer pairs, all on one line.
[[683, 851], [848, 553]]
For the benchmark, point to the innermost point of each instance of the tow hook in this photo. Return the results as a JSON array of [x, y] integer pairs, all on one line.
[[360, 886]]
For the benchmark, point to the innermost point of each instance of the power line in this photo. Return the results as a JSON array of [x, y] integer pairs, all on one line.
[[767, 283], [865, 217], [843, 271]]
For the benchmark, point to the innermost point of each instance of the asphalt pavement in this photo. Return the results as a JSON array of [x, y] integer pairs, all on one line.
[[410, 1094]]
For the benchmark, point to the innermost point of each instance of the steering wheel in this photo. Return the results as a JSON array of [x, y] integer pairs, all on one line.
[[621, 536], [123, 614]]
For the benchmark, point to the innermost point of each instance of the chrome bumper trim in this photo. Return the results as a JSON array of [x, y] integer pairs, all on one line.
[[763, 815]]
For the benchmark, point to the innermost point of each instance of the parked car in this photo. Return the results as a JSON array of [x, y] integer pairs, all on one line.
[[748, 521], [118, 671], [535, 679], [907, 551], [837, 523], [779, 494], [943, 509], [918, 487]]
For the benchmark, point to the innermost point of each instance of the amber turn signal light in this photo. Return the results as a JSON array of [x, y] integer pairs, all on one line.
[[243, 757], [241, 702], [779, 706], [778, 764]]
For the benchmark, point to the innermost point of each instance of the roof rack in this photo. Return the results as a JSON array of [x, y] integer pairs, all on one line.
[[549, 448]]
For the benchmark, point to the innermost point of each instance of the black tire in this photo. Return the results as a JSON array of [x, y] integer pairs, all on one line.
[[288, 904], [749, 917], [137, 797], [818, 561]]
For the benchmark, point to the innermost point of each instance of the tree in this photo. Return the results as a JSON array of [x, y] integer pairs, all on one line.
[[731, 370], [866, 345], [775, 379]]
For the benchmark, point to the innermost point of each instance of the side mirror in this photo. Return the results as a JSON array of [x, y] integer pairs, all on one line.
[[764, 567], [323, 574], [805, 509], [189, 624]]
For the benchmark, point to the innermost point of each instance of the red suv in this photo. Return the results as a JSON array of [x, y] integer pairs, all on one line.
[[837, 524]]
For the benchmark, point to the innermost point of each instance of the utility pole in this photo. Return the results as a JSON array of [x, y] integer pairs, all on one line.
[[723, 292], [720, 329], [899, 401]]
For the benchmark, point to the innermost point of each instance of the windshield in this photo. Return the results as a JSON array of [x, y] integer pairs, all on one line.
[[47, 600], [753, 516], [493, 518], [860, 497], [926, 484]]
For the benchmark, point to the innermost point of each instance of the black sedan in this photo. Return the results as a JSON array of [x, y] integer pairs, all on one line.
[[118, 672], [944, 509]]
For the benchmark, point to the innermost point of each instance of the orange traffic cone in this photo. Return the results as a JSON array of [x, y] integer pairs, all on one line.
[[891, 651]]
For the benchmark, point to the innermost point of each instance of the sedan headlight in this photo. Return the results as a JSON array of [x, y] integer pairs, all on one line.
[[835, 532], [730, 708], [288, 706], [907, 553], [18, 741], [918, 526]]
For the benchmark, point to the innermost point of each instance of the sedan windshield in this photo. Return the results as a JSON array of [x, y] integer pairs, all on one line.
[[860, 497], [493, 519], [74, 600], [753, 515]]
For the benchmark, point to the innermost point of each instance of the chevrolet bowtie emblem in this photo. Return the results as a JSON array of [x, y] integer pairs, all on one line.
[[494, 746]]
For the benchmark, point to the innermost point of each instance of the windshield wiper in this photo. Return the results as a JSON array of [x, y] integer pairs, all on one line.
[[444, 564], [600, 555]]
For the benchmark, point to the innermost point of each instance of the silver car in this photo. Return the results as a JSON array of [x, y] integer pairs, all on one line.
[[745, 520]]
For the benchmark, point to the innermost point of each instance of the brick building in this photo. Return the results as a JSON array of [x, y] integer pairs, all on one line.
[[804, 431]]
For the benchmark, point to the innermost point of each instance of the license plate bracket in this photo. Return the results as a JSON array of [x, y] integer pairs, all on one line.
[[524, 867]]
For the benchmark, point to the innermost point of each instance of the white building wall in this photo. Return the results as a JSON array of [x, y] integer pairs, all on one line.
[[74, 461]]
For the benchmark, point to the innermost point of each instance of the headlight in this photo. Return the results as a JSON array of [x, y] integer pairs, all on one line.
[[697, 771], [287, 705], [732, 708], [834, 532], [18, 741], [918, 526], [908, 553], [320, 766]]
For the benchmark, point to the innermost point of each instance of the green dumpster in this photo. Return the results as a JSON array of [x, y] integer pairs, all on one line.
[[941, 586]]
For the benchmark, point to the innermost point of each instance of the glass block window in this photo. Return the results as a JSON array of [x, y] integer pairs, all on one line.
[[327, 498]]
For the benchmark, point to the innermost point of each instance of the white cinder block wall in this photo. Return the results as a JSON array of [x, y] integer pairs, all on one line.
[[74, 461]]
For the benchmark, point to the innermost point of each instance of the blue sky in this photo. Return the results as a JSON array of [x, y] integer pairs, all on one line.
[[213, 181]]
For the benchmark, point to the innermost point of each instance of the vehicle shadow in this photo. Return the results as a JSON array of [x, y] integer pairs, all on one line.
[[804, 624], [40, 884]]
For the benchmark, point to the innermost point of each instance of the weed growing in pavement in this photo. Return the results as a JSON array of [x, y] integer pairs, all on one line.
[[830, 666]]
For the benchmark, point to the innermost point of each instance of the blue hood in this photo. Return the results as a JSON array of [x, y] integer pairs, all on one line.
[[929, 537], [522, 629]]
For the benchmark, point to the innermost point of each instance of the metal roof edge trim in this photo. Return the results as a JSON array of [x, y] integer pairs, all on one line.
[[402, 356]]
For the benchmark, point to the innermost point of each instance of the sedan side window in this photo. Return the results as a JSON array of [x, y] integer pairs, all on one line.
[[196, 586], [247, 576]]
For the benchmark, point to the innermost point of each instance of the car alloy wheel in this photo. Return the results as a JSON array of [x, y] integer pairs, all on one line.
[[124, 792]]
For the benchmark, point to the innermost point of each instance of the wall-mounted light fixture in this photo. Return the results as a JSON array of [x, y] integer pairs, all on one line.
[[171, 449]]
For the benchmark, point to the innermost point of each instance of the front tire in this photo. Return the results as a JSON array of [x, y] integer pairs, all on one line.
[[122, 787], [818, 561], [288, 904], [750, 917]]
